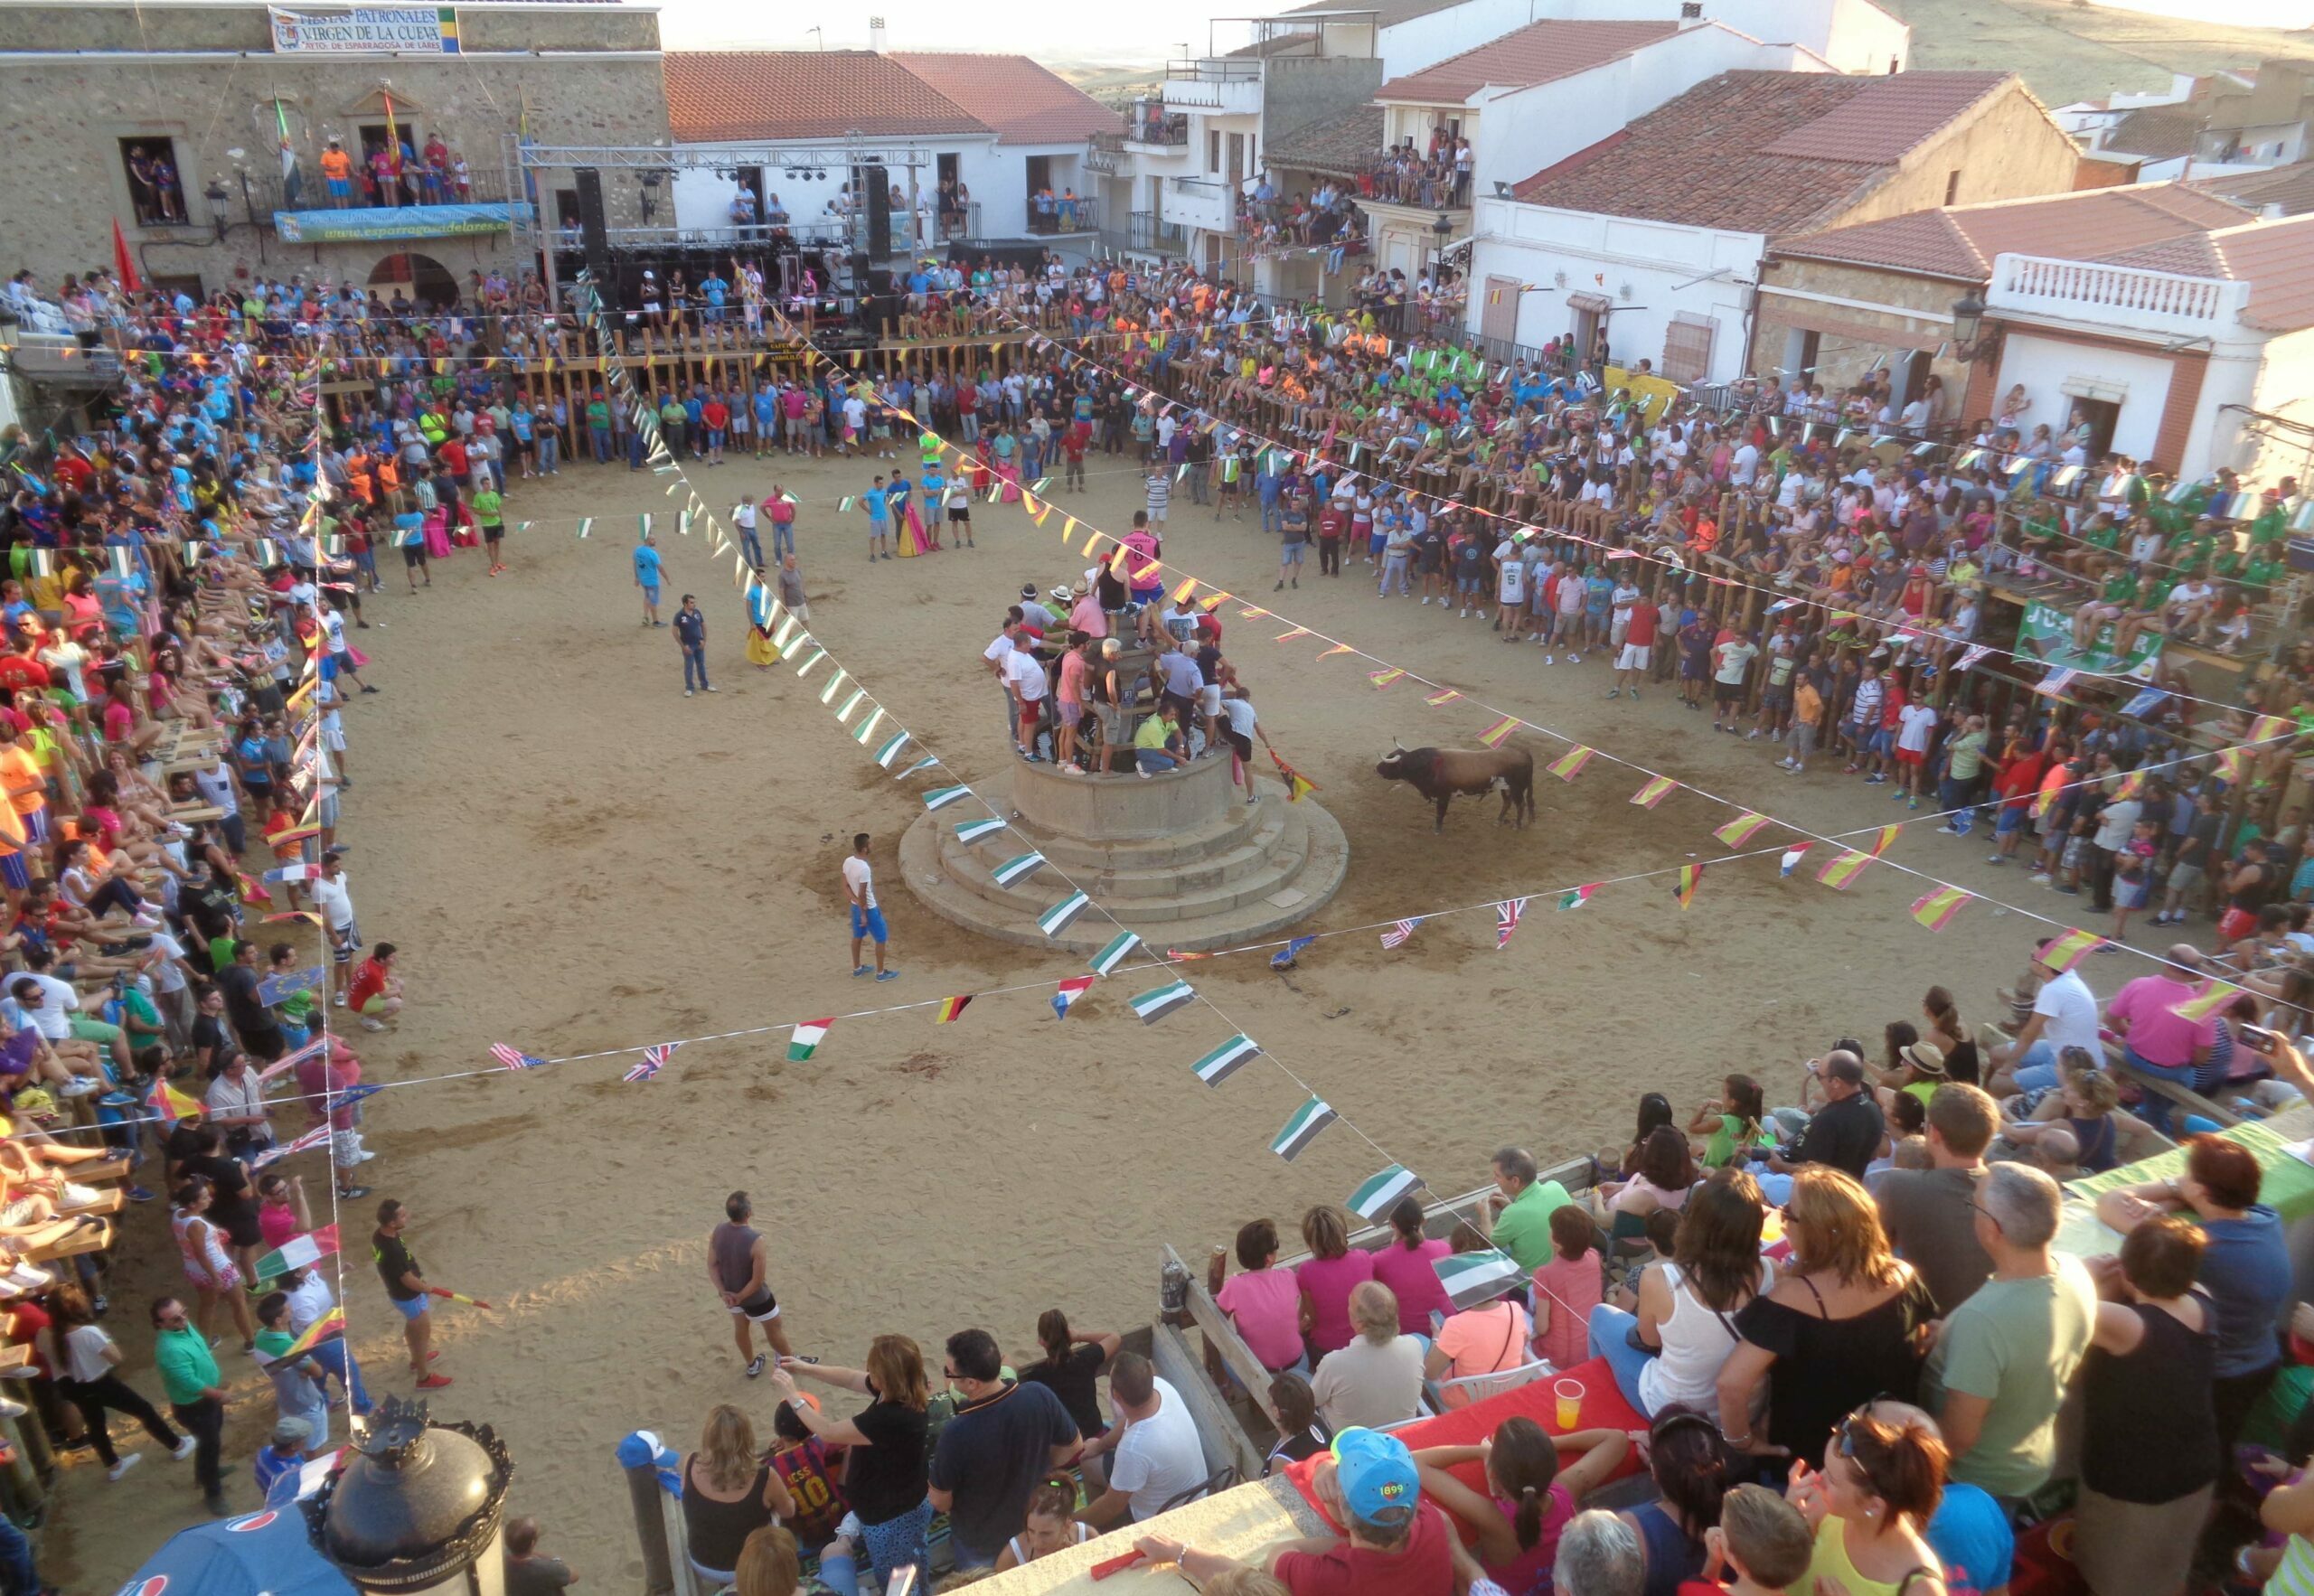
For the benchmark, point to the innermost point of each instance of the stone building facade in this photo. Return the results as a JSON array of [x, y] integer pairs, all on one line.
[[90, 83]]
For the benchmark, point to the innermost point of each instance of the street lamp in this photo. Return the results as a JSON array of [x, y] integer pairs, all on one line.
[[215, 194], [1968, 326]]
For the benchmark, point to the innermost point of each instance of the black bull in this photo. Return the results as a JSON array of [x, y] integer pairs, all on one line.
[[1440, 773]]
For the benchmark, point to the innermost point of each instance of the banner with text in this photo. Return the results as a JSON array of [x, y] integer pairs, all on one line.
[[365, 30]]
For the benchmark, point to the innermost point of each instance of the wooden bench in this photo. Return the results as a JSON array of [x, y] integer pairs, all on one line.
[[87, 1238]]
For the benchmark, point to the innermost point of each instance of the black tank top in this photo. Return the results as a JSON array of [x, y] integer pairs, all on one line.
[[717, 1530], [2148, 1430]]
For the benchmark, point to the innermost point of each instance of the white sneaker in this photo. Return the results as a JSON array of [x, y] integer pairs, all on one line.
[[128, 1462], [186, 1448], [370, 1024], [1548, 660], [80, 1086]]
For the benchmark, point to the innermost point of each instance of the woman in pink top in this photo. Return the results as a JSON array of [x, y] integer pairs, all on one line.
[[1327, 1276], [1405, 1266], [1528, 1499], [1264, 1302], [1566, 1288]]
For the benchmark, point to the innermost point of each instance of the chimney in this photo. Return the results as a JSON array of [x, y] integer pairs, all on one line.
[[876, 35]]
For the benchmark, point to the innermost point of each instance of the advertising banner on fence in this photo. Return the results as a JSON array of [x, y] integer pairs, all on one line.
[[2046, 636], [365, 30], [395, 222]]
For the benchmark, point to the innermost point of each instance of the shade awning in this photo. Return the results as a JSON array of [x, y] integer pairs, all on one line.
[[1594, 303]]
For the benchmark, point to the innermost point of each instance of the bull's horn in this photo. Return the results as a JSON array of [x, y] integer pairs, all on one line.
[[1397, 745]]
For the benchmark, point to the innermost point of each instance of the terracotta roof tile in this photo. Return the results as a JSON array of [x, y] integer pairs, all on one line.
[[1710, 158], [1893, 116], [1388, 14], [2292, 187], [1960, 241], [1024, 102], [2276, 259], [2154, 134], [1341, 146], [1537, 53], [714, 95]]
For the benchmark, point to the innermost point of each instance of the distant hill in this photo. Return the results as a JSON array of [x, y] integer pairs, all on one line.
[[2070, 49]]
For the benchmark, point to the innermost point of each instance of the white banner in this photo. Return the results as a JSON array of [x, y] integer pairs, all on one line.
[[365, 30]]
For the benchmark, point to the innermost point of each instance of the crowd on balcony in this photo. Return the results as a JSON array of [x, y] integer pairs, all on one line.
[[390, 172], [1435, 176]]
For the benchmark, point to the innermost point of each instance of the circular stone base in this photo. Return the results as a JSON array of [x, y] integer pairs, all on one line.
[[1180, 858]]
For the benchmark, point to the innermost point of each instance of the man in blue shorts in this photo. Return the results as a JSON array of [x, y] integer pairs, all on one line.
[[879, 520], [646, 576], [867, 919]]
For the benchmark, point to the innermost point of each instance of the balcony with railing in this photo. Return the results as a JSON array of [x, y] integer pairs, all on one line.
[[420, 205], [2117, 299], [1200, 203], [1051, 215], [1149, 125], [1147, 233], [1218, 85]]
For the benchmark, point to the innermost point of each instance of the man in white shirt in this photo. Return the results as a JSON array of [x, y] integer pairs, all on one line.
[[997, 654], [867, 918], [333, 897], [2065, 1015], [1158, 1457], [1024, 680]]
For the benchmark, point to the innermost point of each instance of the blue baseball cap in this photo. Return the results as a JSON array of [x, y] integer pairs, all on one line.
[[1377, 1474]]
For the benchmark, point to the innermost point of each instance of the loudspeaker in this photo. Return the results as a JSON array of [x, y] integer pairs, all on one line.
[[592, 235], [880, 212]]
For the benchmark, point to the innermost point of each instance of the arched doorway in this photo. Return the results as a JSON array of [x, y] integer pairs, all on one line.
[[422, 279]]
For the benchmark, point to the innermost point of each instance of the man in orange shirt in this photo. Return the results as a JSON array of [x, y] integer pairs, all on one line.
[[337, 170], [27, 785]]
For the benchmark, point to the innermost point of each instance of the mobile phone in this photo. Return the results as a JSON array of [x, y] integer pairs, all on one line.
[[2258, 1038]]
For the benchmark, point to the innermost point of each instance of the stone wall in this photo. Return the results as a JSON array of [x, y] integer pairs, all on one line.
[[1853, 339], [67, 185]]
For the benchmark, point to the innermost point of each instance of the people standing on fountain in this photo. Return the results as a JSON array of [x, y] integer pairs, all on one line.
[[1179, 683], [997, 656], [1024, 681]]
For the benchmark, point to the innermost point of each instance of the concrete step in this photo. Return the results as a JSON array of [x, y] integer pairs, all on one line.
[[1250, 874], [1227, 845]]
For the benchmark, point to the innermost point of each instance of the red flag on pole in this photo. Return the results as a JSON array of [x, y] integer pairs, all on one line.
[[123, 262]]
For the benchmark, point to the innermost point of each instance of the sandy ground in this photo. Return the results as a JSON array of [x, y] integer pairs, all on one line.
[[573, 856]]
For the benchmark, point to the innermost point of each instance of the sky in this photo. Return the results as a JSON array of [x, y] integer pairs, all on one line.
[[1058, 31]]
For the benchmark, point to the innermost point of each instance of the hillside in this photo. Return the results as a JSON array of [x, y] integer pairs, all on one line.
[[2069, 51]]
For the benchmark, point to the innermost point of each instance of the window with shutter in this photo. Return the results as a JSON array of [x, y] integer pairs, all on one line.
[[1686, 347]]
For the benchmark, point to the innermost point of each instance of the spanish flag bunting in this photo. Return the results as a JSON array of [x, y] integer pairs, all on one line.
[[1882, 839], [1212, 602], [1382, 679], [2066, 951], [1121, 562], [1041, 514], [330, 1327], [1657, 789], [1741, 829], [172, 1105], [1029, 501], [1684, 888], [1840, 873], [1935, 909], [1092, 543], [1569, 765], [1253, 612], [1182, 593], [1340, 648], [1494, 735], [951, 1009], [1067, 528], [2229, 764], [2220, 994], [1290, 636], [2266, 728], [2131, 784], [1444, 695]]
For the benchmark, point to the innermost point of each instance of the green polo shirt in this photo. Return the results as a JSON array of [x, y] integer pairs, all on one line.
[[187, 1367], [487, 511], [1523, 1229]]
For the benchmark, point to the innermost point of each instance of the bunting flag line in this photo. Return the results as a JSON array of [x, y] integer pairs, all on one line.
[[1058, 918], [1340, 648], [2066, 951], [941, 797], [1285, 957], [919, 767], [1846, 866], [1069, 991], [1505, 916], [1225, 1060], [1493, 735], [312, 1139], [1576, 897], [1792, 858], [1935, 909], [1472, 1278], [1018, 868], [1883, 838], [655, 1059], [1119, 948], [974, 831], [1741, 829], [1684, 888], [299, 1252], [1396, 936], [804, 1039], [1444, 695], [1382, 679], [514, 1058], [1303, 1129], [1657, 789], [171, 1104], [1157, 1003], [1569, 765], [951, 1009], [1378, 1194], [330, 1327], [892, 750], [2207, 1005]]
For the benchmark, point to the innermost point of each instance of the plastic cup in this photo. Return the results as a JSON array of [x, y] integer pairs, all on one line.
[[1570, 1402]]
